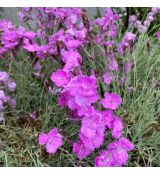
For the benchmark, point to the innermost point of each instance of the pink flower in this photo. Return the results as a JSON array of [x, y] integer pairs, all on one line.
[[1, 106], [52, 140], [4, 76], [111, 101], [108, 117], [13, 103], [132, 18], [73, 44], [71, 19], [113, 65], [129, 37], [64, 98], [126, 144], [94, 142], [83, 88], [72, 59], [105, 159], [92, 124], [81, 150], [60, 77], [29, 35], [11, 86], [116, 155], [92, 130], [108, 77], [158, 35], [31, 47], [117, 127], [127, 67], [120, 155], [120, 150], [3, 97]]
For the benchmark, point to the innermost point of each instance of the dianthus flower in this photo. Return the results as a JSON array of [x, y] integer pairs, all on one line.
[[108, 118], [117, 127], [32, 47], [116, 155], [60, 77], [14, 37], [73, 44], [1, 106], [113, 123], [108, 77], [105, 159], [91, 135], [158, 35], [4, 76], [92, 130], [67, 100], [111, 101], [3, 97], [79, 94], [112, 62], [126, 43], [107, 23], [129, 37], [81, 150], [11, 86], [52, 140], [71, 59], [83, 89]]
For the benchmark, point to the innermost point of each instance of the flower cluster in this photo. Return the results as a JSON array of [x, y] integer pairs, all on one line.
[[90, 58], [79, 92], [143, 26], [6, 85], [116, 154], [12, 38]]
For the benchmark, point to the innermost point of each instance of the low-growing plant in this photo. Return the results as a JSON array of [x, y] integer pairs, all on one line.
[[91, 73]]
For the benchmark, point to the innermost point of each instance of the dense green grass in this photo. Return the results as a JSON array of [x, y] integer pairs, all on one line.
[[140, 112]]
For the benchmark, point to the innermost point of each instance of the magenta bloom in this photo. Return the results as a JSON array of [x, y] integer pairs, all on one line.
[[31, 47], [158, 35], [116, 155], [108, 117], [92, 131], [126, 144], [1, 106], [13, 103], [120, 150], [83, 88], [127, 67], [132, 18], [108, 77], [29, 35], [113, 65], [72, 59], [60, 78], [73, 44], [105, 159], [129, 37], [111, 101], [52, 140], [81, 150], [11, 86], [117, 127], [4, 76], [91, 125], [3, 97]]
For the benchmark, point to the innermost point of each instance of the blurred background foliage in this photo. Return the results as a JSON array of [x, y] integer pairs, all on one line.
[[10, 13]]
